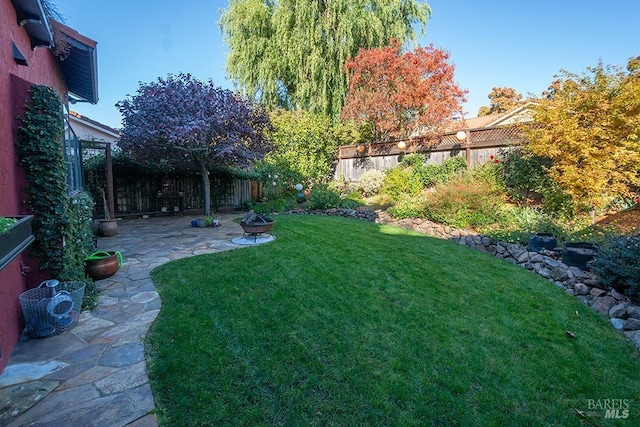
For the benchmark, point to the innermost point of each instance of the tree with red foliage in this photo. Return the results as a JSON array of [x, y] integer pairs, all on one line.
[[399, 95], [181, 121]]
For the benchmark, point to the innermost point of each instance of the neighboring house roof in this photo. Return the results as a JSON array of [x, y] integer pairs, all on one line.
[[87, 129], [517, 115], [482, 121]]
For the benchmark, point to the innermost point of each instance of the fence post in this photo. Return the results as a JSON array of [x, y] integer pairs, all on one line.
[[109, 166]]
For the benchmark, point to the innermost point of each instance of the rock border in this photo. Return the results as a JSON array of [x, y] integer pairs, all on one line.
[[623, 314]]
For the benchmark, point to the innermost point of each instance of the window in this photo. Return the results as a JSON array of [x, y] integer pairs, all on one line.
[[72, 158]]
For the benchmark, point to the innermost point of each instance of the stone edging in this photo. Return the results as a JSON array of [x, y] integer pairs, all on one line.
[[623, 314]]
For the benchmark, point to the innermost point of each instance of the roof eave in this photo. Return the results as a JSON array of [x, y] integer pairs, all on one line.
[[80, 67], [32, 18]]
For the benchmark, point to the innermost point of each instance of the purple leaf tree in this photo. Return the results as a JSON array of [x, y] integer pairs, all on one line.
[[183, 121]]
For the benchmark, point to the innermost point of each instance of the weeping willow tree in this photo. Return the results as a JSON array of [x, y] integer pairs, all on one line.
[[291, 53]]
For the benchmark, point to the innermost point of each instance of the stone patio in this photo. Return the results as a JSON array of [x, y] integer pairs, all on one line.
[[95, 374]]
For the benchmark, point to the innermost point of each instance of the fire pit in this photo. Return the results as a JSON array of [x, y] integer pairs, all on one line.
[[254, 224]]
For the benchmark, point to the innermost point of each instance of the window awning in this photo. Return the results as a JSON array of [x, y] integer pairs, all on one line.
[[80, 67]]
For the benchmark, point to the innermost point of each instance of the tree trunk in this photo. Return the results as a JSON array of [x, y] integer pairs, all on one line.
[[204, 173]]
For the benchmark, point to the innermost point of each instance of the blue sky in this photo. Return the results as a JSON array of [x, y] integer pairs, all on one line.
[[519, 44]]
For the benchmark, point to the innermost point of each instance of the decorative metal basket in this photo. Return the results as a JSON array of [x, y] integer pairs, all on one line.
[[51, 308]]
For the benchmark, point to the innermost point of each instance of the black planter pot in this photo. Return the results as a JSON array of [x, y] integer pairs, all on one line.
[[16, 240], [540, 241], [579, 254]]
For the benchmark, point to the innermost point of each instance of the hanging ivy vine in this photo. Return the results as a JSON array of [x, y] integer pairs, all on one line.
[[62, 224]]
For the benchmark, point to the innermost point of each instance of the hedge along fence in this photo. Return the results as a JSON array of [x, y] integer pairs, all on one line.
[[137, 193], [352, 161]]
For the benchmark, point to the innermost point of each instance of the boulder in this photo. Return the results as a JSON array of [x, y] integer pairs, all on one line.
[[618, 310], [603, 304]]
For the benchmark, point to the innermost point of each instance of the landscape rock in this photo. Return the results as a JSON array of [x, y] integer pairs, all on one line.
[[634, 337], [581, 289], [603, 304], [633, 311], [596, 292], [618, 310], [632, 324], [617, 323], [559, 274], [617, 295]]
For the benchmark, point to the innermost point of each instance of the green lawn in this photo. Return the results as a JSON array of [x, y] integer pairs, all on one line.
[[343, 322]]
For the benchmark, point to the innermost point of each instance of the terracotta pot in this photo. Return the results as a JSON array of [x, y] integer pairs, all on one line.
[[103, 264], [108, 227]]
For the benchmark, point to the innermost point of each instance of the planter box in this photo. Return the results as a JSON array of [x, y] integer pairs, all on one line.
[[17, 239]]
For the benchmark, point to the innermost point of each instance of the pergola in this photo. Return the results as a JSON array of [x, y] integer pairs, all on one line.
[[106, 146]]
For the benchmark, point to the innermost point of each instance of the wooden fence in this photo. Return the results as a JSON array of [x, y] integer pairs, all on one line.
[[145, 195], [140, 194], [480, 144]]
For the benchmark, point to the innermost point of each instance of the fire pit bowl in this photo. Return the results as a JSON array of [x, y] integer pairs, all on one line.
[[255, 224], [257, 227]]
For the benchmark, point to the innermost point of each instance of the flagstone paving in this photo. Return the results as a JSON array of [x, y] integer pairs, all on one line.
[[95, 374]]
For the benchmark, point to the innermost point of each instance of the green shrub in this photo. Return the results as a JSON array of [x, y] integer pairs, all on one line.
[[279, 203], [345, 187], [407, 207], [352, 200], [525, 175], [617, 264], [304, 144], [324, 196], [412, 176], [430, 175], [414, 160], [371, 182], [518, 223], [492, 174], [62, 225], [399, 182], [465, 203]]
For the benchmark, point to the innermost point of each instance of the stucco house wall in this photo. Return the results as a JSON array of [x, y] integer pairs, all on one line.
[[16, 78]]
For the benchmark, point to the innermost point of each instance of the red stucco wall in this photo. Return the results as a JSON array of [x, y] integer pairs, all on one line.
[[14, 86]]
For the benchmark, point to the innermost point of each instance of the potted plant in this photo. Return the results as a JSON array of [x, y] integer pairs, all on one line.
[[15, 237], [210, 221], [102, 264], [108, 226]]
